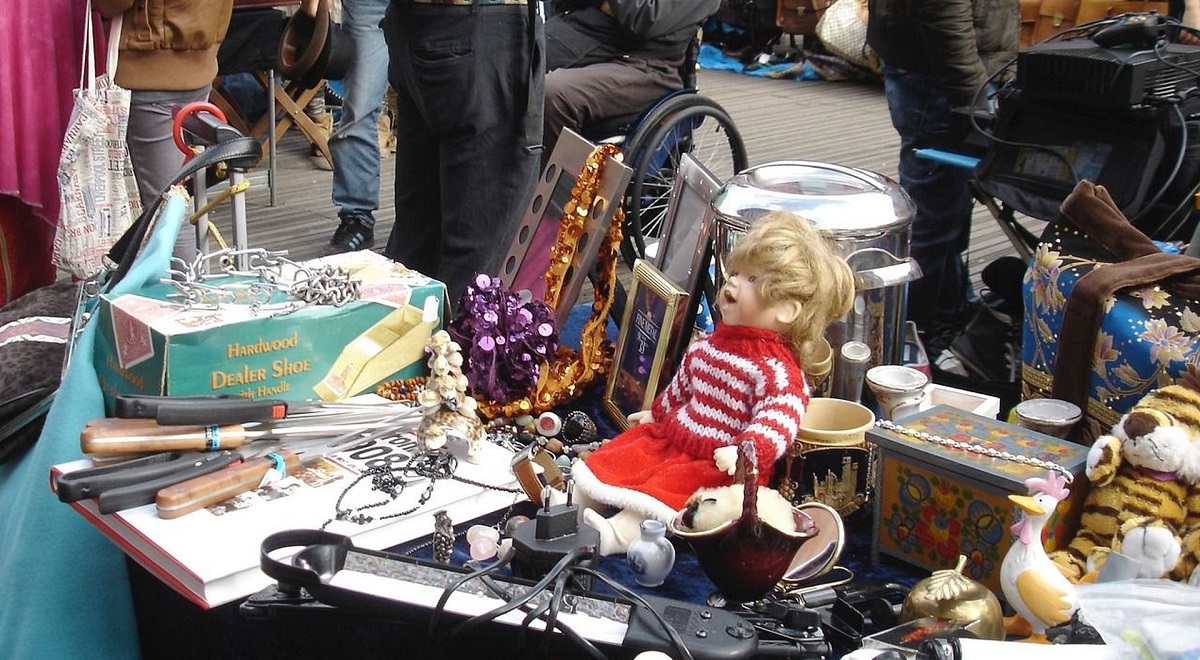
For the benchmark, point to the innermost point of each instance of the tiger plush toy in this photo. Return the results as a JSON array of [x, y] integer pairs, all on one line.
[[1144, 500]]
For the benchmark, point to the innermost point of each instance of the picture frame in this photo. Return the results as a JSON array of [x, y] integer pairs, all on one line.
[[649, 334], [528, 257], [685, 250], [681, 250]]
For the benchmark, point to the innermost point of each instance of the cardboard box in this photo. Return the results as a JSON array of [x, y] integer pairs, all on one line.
[[243, 339], [980, 404], [934, 503]]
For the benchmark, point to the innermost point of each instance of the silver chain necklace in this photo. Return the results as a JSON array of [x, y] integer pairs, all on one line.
[[974, 449]]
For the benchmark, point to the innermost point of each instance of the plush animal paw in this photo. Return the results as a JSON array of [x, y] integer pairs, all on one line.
[[1103, 459], [1152, 544]]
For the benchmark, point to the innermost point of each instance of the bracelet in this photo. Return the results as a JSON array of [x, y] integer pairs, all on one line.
[[975, 449], [405, 389]]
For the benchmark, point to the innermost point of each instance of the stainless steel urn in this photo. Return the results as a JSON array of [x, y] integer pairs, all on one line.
[[869, 217]]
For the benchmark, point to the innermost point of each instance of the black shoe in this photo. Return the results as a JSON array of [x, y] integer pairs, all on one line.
[[988, 349], [355, 233]]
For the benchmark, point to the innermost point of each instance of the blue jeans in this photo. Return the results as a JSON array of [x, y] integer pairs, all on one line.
[[941, 229], [355, 143], [465, 127]]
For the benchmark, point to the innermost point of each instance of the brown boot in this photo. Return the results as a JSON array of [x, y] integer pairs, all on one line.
[[324, 122]]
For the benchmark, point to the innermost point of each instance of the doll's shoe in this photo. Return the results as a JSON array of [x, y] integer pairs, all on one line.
[[617, 532]]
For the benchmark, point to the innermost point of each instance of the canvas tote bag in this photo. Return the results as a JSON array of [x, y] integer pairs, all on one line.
[[95, 175]]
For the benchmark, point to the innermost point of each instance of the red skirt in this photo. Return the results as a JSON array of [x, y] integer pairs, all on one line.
[[643, 461]]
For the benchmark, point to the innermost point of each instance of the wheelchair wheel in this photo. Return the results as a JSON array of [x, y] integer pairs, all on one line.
[[690, 124]]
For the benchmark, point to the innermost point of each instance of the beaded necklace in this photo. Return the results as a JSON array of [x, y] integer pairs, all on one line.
[[391, 481], [975, 449]]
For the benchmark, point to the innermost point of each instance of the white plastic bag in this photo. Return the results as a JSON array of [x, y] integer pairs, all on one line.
[[1144, 618]]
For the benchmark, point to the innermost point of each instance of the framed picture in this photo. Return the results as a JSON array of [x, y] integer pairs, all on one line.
[[686, 226], [685, 251], [650, 330], [528, 257]]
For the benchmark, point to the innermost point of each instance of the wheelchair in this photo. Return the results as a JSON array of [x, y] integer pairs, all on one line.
[[653, 143]]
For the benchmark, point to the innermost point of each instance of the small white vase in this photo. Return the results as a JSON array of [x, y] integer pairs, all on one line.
[[652, 556]]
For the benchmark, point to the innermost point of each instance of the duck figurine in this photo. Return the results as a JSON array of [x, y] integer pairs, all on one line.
[[1033, 586]]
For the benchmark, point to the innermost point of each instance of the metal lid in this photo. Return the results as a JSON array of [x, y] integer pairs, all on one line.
[[835, 198]]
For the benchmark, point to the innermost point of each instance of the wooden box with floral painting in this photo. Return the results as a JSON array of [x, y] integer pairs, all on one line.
[[943, 480]]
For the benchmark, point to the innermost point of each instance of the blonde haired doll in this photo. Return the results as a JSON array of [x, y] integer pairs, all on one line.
[[785, 283]]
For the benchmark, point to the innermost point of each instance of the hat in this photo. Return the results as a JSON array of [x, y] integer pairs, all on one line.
[[312, 50]]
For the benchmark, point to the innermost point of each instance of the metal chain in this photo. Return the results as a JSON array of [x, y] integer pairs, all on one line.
[[272, 272], [975, 449]]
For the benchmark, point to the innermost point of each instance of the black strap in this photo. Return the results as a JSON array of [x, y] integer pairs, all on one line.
[[238, 153], [533, 120]]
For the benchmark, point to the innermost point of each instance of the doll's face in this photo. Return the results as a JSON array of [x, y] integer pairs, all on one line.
[[740, 304]]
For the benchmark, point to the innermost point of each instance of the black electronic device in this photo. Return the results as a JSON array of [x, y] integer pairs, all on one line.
[[540, 543], [1083, 73], [1045, 149], [1138, 31], [334, 573]]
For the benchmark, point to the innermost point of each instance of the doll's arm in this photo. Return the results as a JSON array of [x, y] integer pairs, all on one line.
[[678, 391], [775, 418], [640, 417]]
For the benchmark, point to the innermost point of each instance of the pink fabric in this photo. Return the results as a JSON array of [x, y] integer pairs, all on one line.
[[41, 44]]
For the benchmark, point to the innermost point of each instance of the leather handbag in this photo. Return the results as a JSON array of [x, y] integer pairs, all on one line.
[[1109, 314], [800, 16], [1030, 10], [1094, 10], [1054, 16], [842, 29]]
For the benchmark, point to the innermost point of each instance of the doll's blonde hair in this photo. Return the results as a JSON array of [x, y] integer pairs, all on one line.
[[797, 262]]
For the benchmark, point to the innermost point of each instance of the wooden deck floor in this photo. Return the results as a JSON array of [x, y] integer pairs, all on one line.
[[836, 122]]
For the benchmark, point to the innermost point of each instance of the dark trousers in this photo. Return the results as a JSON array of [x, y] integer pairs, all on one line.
[[941, 229], [464, 167], [578, 96]]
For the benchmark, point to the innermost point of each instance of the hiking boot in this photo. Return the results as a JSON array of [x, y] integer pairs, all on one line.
[[357, 232]]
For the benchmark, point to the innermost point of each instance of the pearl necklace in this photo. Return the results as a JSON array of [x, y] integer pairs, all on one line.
[[975, 449]]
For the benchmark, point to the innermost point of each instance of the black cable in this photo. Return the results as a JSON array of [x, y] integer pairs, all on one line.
[[1162, 190], [435, 616], [571, 557], [560, 586], [566, 630], [534, 613], [989, 135], [621, 589]]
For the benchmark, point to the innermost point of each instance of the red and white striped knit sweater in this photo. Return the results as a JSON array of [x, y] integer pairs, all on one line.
[[740, 382]]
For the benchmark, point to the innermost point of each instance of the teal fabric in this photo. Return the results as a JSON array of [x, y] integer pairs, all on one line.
[[66, 592]]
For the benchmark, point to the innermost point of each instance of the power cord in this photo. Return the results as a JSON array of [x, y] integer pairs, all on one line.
[[569, 632], [560, 586], [436, 617], [479, 619], [621, 589]]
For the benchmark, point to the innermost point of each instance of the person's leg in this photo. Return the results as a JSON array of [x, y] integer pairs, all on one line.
[[941, 228], [466, 71], [415, 240], [576, 97], [156, 159], [355, 142], [489, 151]]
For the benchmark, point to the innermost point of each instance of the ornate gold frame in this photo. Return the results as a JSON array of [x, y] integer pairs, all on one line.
[[650, 329]]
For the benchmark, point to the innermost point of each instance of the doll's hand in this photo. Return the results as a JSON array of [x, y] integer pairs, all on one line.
[[640, 417], [726, 458]]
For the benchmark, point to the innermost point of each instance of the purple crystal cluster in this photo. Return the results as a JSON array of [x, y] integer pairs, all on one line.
[[505, 339]]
